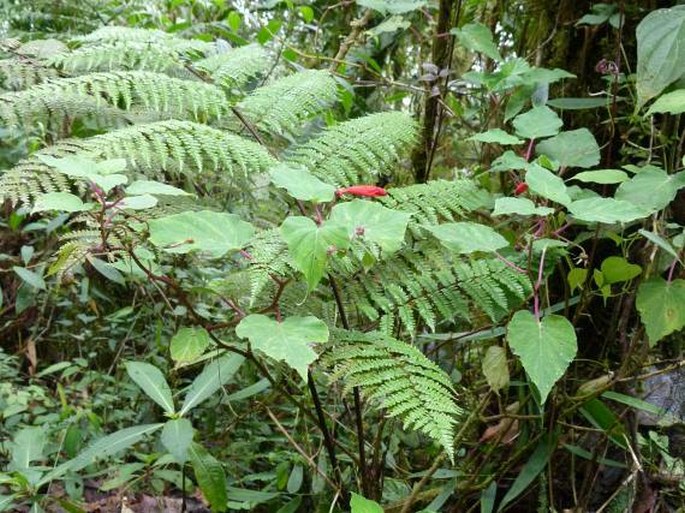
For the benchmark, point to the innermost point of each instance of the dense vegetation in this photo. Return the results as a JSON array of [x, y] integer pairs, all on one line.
[[383, 255]]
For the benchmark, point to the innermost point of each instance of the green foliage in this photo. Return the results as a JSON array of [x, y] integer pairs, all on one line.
[[401, 378]]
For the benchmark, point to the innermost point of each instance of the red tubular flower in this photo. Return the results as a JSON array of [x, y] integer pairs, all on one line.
[[520, 189], [367, 191]]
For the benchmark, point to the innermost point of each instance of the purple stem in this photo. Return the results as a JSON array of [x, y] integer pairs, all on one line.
[[538, 284], [529, 151], [510, 264], [671, 270]]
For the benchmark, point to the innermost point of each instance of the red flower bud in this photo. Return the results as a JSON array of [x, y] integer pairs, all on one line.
[[368, 191], [520, 188]]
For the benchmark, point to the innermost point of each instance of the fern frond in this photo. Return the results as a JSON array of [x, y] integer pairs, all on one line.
[[234, 68], [397, 375], [268, 257], [156, 150], [112, 34], [283, 105], [17, 74], [430, 284], [160, 94], [358, 151]]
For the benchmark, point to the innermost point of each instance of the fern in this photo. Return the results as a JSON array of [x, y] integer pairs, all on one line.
[[406, 383], [358, 151], [161, 95], [114, 34], [234, 68], [429, 283], [154, 150], [282, 106], [17, 74]]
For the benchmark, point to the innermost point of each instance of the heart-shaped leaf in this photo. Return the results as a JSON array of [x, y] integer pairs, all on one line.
[[545, 347], [662, 307], [468, 237], [301, 184], [546, 184]]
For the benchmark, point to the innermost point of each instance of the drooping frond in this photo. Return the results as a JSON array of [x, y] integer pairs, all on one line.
[[156, 150], [406, 383], [437, 201], [431, 284], [358, 151], [161, 95], [114, 33], [283, 105], [17, 74], [234, 68]]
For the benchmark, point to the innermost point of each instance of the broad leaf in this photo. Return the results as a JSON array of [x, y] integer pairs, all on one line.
[[617, 269], [673, 103], [606, 210], [546, 184], [660, 51], [373, 222], [155, 188], [152, 381], [301, 184], [478, 37], [360, 504], [106, 269], [578, 103], [141, 202], [520, 206], [651, 189], [210, 476], [211, 379], [602, 176], [177, 436], [661, 242], [188, 344], [289, 341], [545, 347], [212, 233], [393, 6], [577, 148], [496, 135], [468, 237], [662, 307], [27, 446], [310, 245], [537, 122], [32, 278], [102, 448], [61, 201], [495, 368]]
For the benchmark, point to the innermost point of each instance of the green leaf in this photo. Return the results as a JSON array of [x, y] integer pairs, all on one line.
[[154, 188], [100, 449], [310, 245], [477, 37], [576, 278], [662, 307], [576, 148], [108, 182], [538, 122], [301, 184], [602, 176], [520, 206], [673, 103], [495, 368], [617, 269], [62, 201], [651, 189], [536, 464], [392, 24], [31, 278], [661, 242], [546, 184], [188, 344], [177, 436], [288, 341], [605, 210], [360, 504], [210, 476], [468, 237], [509, 160], [578, 103], [496, 135], [151, 380], [27, 446], [393, 6], [660, 51], [106, 269], [212, 233], [373, 222], [545, 347], [211, 379], [234, 20]]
